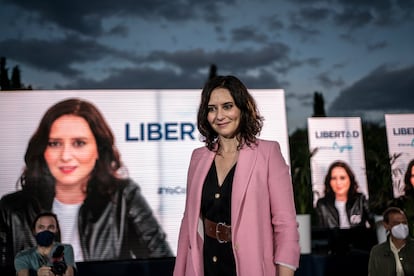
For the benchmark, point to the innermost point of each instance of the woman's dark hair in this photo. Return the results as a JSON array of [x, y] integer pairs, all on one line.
[[251, 122], [353, 188], [36, 176], [409, 189], [47, 214]]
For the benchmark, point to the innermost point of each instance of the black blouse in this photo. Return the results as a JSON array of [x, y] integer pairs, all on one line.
[[216, 206]]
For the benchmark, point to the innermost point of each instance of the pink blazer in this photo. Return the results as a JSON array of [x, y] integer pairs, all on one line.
[[263, 217]]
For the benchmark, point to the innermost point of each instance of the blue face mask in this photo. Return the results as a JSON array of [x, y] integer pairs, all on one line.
[[45, 238]]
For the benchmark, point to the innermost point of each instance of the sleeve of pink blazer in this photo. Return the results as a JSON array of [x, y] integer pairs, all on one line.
[[182, 249], [183, 261], [283, 210], [183, 241]]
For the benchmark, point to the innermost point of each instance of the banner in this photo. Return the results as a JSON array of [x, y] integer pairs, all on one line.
[[400, 136], [155, 131], [336, 139]]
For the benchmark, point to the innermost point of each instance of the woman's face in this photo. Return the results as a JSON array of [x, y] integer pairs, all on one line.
[[71, 152], [340, 182], [223, 114]]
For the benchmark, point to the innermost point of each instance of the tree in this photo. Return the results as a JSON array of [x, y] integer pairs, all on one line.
[[378, 167], [318, 105], [4, 75], [300, 171], [213, 71], [15, 82]]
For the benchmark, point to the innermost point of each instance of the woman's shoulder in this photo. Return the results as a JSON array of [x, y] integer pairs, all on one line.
[[127, 189], [15, 199], [200, 152], [12, 195], [360, 196], [128, 185], [265, 144], [260, 141], [321, 201], [265, 147]]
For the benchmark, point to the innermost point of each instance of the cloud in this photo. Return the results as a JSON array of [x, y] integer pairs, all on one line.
[[354, 18], [297, 45], [380, 13], [355, 14], [167, 78], [303, 31], [85, 17], [73, 57], [248, 33], [227, 60], [383, 90], [141, 78], [328, 82], [305, 100], [58, 56], [377, 45], [315, 14], [274, 23]]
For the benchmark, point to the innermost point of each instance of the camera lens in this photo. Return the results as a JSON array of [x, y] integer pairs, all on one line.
[[59, 268]]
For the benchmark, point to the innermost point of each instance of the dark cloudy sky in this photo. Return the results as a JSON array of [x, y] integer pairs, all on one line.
[[358, 53]]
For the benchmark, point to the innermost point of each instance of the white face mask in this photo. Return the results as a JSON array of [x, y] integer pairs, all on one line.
[[400, 231]]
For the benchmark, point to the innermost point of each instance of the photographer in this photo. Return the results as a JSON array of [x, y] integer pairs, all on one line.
[[49, 257]]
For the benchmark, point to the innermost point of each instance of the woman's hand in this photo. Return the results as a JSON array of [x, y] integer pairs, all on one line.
[[284, 270]]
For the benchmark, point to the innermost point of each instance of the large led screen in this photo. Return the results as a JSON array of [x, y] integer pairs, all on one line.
[[155, 131]]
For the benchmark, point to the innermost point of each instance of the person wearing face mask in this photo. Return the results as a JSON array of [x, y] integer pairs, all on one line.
[[395, 256], [49, 256]]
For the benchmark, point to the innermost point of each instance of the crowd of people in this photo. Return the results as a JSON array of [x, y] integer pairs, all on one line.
[[238, 186]]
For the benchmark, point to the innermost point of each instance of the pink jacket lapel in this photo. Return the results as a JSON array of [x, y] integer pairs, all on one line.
[[243, 173]]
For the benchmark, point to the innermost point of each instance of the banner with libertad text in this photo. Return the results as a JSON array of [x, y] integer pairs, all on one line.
[[336, 139], [400, 137]]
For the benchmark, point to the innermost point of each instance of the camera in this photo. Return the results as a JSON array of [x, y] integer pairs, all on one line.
[[58, 265]]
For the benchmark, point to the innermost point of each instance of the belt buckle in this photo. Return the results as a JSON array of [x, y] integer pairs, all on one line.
[[218, 232]]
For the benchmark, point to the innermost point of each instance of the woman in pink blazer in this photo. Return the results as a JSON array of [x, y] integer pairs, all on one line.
[[239, 216]]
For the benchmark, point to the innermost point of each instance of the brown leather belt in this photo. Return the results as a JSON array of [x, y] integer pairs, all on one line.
[[219, 231]]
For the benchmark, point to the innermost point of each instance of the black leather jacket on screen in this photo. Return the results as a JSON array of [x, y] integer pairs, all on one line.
[[357, 211], [120, 227]]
